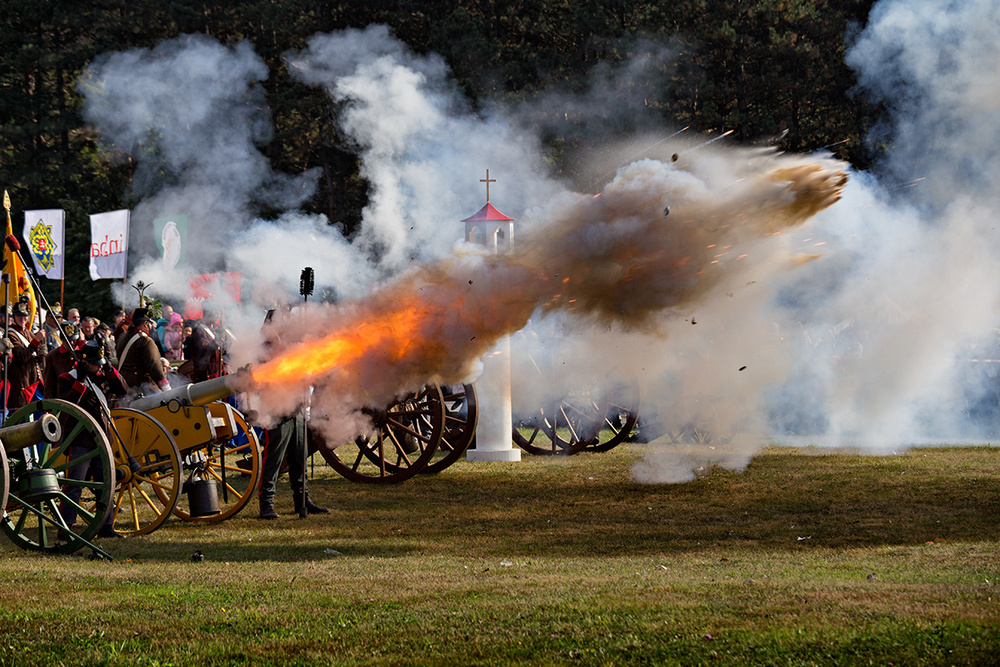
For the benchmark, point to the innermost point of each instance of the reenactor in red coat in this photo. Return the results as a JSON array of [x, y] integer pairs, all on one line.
[[26, 355], [61, 359]]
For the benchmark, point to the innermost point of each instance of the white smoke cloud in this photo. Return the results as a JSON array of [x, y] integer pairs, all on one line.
[[191, 115], [861, 347], [913, 268], [423, 151]]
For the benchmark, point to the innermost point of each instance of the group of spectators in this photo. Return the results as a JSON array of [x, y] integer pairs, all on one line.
[[145, 347], [95, 364]]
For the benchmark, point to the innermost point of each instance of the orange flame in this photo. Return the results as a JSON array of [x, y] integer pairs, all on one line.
[[391, 333]]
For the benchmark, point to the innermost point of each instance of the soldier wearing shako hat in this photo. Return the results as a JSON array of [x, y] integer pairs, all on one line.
[[91, 384], [62, 358], [139, 357], [26, 352]]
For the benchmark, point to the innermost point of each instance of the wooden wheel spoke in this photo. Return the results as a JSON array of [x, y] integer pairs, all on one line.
[[381, 453], [131, 498], [80, 508], [156, 507], [136, 489], [211, 471], [400, 451], [399, 426], [155, 483], [359, 458], [153, 466], [89, 456], [43, 523], [19, 526], [83, 483], [54, 454], [569, 427], [235, 451], [230, 468], [72, 435]]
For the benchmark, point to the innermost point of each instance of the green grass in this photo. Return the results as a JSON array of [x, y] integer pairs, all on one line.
[[804, 558]]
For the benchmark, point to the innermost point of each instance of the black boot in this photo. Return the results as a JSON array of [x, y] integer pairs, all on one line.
[[267, 510], [304, 506], [313, 508], [108, 530]]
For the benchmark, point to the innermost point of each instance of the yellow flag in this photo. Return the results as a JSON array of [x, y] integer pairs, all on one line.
[[19, 285]]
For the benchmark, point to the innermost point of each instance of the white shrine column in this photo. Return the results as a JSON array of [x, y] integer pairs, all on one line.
[[495, 426], [494, 441]]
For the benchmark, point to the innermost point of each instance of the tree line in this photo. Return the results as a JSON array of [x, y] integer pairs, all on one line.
[[762, 68]]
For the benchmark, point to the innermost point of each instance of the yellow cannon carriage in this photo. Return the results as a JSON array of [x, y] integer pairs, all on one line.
[[182, 452], [219, 453]]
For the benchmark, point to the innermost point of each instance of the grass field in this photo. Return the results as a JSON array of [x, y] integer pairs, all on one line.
[[807, 557]]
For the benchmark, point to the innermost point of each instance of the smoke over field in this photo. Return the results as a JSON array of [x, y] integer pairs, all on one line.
[[753, 292]]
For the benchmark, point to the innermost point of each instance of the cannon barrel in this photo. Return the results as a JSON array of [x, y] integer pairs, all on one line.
[[198, 393], [19, 436]]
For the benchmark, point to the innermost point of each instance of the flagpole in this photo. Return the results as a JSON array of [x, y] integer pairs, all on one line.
[[4, 388]]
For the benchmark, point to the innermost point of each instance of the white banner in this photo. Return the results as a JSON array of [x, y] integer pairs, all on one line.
[[45, 233], [108, 244]]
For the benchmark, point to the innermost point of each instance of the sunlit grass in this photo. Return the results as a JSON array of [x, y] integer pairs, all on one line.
[[805, 557]]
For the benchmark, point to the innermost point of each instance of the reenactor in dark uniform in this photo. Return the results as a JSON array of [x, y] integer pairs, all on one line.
[[27, 354], [139, 357], [203, 350], [287, 438], [91, 383]]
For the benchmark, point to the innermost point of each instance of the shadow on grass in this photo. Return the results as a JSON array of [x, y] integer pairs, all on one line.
[[587, 506]]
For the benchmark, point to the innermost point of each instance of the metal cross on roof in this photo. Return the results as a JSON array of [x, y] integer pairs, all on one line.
[[487, 181]]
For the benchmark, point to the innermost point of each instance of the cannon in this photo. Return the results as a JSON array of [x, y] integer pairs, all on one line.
[[593, 418], [594, 415], [420, 432], [170, 454], [139, 471], [218, 451], [38, 452]]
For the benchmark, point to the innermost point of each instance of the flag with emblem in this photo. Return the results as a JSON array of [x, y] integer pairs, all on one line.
[[13, 266], [45, 233]]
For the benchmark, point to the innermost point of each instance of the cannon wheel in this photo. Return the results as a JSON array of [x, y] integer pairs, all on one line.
[[4, 480], [402, 442], [461, 414], [35, 523], [235, 463], [700, 424], [594, 420], [145, 497]]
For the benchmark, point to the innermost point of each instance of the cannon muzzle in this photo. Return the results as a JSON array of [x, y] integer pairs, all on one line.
[[198, 393], [19, 436]]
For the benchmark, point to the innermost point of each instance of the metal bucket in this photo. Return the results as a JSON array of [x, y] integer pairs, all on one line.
[[203, 497], [39, 484]]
